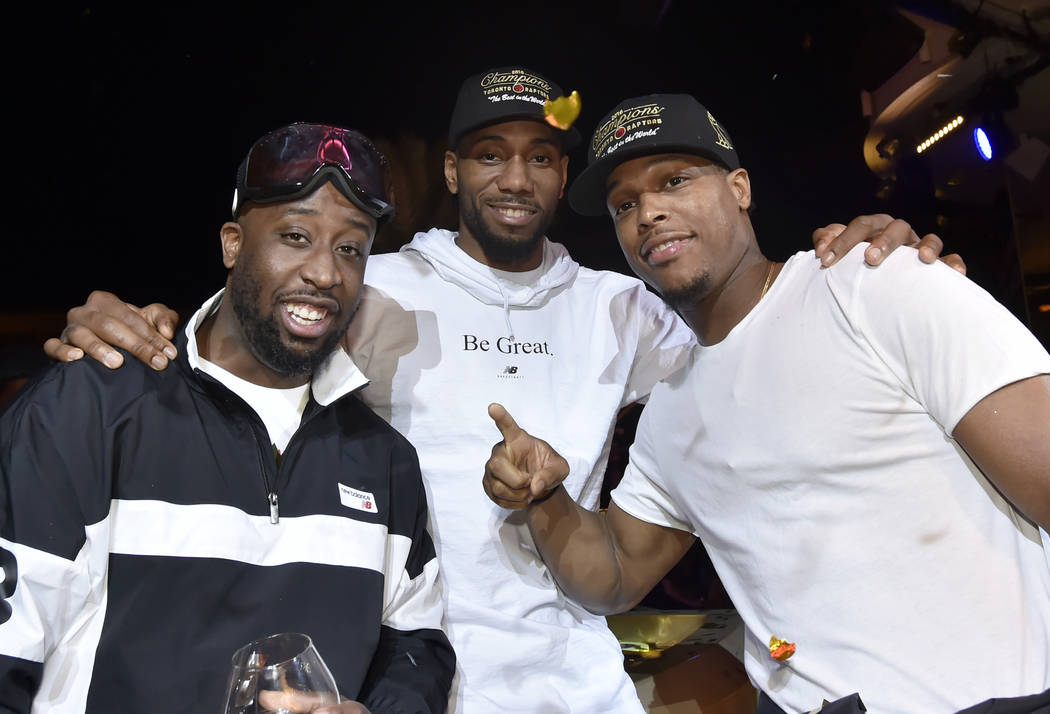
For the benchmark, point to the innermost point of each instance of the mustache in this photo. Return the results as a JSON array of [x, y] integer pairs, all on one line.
[[324, 296], [511, 198]]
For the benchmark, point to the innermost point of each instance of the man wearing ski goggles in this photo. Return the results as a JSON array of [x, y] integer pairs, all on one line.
[[258, 493], [291, 162]]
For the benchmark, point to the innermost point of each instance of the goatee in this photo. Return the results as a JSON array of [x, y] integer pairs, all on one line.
[[689, 295], [501, 248], [264, 336]]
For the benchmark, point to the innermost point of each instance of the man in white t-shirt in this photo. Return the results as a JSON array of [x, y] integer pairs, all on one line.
[[496, 311], [868, 478]]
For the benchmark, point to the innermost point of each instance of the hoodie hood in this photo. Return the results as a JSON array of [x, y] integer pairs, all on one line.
[[438, 247]]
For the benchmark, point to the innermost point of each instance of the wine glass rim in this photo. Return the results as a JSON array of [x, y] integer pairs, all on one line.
[[241, 658]]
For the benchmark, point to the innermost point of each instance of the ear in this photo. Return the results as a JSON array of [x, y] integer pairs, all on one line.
[[564, 175], [740, 184], [451, 172], [231, 235]]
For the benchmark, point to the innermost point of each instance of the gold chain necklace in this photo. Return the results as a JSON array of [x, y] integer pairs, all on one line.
[[769, 279]]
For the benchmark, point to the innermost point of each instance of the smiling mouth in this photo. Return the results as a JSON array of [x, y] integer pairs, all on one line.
[[304, 314], [664, 250], [513, 213]]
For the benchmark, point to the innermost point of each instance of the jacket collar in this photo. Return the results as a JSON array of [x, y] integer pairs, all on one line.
[[335, 378]]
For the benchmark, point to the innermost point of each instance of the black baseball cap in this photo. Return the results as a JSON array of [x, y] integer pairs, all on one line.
[[504, 94], [653, 124]]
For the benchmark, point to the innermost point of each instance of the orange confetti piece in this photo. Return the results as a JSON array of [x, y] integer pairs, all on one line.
[[563, 111], [781, 650]]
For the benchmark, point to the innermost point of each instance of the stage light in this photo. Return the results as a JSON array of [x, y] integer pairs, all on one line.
[[939, 134], [983, 144]]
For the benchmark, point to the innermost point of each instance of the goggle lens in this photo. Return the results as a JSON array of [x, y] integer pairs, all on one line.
[[285, 162]]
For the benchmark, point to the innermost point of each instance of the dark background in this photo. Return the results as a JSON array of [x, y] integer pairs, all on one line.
[[125, 127], [127, 124]]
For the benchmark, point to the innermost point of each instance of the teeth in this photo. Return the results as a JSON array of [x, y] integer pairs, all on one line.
[[663, 246], [305, 313], [514, 212]]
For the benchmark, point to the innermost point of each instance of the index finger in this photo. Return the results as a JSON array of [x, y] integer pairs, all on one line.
[[508, 428], [861, 228]]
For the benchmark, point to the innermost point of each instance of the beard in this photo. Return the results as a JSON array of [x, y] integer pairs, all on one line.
[[688, 295], [501, 248], [264, 336]]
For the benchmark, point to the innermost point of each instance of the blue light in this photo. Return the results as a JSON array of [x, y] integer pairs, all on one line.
[[984, 145]]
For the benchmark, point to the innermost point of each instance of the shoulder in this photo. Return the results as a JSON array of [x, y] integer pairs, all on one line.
[[354, 411], [609, 283], [900, 266], [902, 280], [67, 393], [389, 272]]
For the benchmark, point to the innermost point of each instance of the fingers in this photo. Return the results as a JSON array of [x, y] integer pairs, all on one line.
[[106, 321], [548, 478], [890, 238], [504, 482], [290, 700], [58, 350], [77, 337], [862, 228], [930, 248], [822, 237], [955, 262], [163, 318], [508, 428], [343, 708]]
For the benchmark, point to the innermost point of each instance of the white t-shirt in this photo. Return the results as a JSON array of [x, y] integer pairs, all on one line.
[[433, 334], [810, 451], [281, 410]]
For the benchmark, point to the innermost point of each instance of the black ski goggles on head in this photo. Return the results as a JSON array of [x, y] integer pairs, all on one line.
[[294, 161]]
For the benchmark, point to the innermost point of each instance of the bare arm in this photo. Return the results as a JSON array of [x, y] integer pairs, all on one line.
[[1007, 434], [105, 321], [606, 562], [885, 234]]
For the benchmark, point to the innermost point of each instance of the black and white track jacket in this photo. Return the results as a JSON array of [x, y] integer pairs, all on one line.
[[138, 550]]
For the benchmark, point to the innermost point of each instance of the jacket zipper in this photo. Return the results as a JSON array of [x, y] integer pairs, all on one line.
[[271, 492]]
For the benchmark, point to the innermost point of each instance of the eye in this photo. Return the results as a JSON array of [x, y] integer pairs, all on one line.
[[541, 159], [677, 181], [295, 237], [350, 251], [624, 207], [488, 156]]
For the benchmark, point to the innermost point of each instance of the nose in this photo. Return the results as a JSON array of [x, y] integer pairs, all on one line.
[[514, 178], [651, 210], [320, 268]]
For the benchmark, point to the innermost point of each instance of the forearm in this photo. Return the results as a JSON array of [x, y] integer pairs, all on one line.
[[580, 551]]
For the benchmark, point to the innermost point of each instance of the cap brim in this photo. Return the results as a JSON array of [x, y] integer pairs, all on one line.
[[587, 193]]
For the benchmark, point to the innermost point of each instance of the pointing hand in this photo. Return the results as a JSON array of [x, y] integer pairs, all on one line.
[[522, 468]]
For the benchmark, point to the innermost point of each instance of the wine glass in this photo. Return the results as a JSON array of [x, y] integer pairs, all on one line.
[[279, 674]]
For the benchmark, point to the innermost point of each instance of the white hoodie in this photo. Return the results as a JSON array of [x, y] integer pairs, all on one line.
[[441, 336]]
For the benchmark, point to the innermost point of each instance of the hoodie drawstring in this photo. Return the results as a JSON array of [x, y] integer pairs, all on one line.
[[506, 310]]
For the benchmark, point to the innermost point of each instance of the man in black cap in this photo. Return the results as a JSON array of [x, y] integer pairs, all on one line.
[[153, 522], [876, 522], [496, 311]]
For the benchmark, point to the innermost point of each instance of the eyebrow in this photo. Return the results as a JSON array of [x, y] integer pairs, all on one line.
[[659, 159], [300, 211], [497, 137]]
